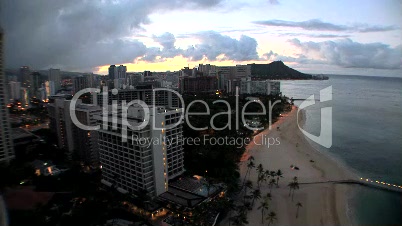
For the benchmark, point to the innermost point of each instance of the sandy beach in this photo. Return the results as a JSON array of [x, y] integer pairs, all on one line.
[[323, 204]]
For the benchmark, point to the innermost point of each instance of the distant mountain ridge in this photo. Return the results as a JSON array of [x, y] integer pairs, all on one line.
[[277, 70]]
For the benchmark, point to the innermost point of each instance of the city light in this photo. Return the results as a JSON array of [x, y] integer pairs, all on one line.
[[381, 182]]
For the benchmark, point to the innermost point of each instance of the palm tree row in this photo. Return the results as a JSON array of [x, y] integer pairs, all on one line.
[[272, 177], [264, 206], [294, 185], [250, 195]]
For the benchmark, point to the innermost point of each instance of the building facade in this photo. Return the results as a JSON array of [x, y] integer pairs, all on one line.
[[36, 84], [80, 83], [144, 93], [112, 72], [55, 77], [80, 144], [121, 72], [6, 142], [148, 158], [264, 87], [15, 90], [198, 84]]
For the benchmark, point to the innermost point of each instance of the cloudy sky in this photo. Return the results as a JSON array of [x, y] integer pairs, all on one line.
[[338, 37]]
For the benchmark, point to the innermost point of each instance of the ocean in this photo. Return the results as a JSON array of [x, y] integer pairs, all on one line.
[[367, 137]]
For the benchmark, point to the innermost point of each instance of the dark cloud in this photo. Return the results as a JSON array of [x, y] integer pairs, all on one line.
[[80, 34], [211, 45], [319, 25], [349, 54], [167, 40]]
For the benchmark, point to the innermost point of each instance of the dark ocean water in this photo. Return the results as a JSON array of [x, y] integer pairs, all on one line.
[[367, 137]]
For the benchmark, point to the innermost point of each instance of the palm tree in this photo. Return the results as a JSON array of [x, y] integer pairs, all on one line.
[[240, 219], [241, 209], [272, 174], [267, 175], [268, 196], [278, 175], [271, 183], [264, 205], [247, 206], [271, 217], [260, 169], [249, 185], [250, 165], [298, 205], [296, 186], [292, 187], [261, 178], [255, 195], [229, 206]]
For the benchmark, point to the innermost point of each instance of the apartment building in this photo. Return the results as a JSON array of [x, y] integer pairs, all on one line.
[[149, 157]]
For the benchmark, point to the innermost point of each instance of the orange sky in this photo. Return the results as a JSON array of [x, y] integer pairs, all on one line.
[[171, 64]]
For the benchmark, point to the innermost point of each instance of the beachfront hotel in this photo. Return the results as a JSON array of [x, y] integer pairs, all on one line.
[[149, 157], [265, 87]]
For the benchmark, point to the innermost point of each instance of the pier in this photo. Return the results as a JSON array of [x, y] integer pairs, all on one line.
[[303, 99], [364, 182]]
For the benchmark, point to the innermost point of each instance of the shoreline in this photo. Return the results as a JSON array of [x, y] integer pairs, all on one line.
[[323, 204]]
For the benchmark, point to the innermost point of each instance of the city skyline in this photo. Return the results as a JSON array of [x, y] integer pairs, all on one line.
[[335, 37]]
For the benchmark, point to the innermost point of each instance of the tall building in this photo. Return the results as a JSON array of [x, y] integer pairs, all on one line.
[[91, 80], [25, 97], [198, 84], [207, 69], [147, 73], [6, 142], [36, 84], [135, 79], [55, 77], [121, 72], [112, 72], [26, 79], [15, 90], [243, 71], [86, 142], [50, 89], [79, 144], [135, 165], [58, 109], [80, 83]]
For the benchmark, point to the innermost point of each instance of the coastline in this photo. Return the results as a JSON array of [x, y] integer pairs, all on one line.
[[323, 203]]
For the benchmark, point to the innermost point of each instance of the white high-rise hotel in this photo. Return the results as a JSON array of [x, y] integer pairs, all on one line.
[[149, 157], [6, 145]]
